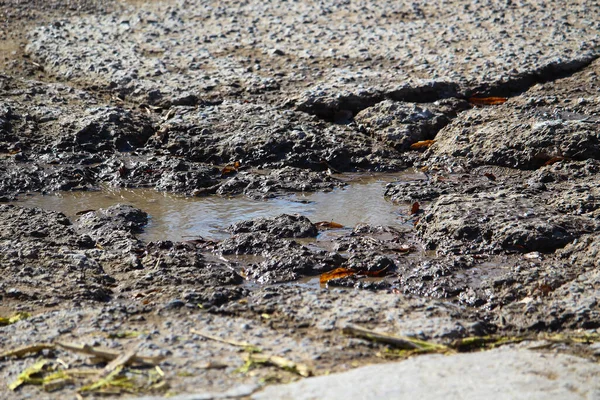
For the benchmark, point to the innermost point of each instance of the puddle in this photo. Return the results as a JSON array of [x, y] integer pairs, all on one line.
[[178, 218]]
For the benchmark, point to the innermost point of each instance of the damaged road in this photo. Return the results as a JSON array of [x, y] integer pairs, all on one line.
[[480, 124]]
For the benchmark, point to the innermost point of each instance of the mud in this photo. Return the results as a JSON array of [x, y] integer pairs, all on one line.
[[169, 166]]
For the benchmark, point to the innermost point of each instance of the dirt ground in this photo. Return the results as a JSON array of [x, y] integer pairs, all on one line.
[[495, 106]]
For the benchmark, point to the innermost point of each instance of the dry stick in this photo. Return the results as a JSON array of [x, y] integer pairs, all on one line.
[[56, 384], [213, 365], [81, 372], [21, 351], [395, 341], [280, 362], [113, 368], [106, 354], [125, 358], [277, 361], [217, 339]]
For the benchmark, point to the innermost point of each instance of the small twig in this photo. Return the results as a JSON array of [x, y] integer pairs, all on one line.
[[109, 355], [125, 358], [217, 339]]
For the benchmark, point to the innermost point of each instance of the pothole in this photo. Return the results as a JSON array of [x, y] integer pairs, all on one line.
[[177, 218]]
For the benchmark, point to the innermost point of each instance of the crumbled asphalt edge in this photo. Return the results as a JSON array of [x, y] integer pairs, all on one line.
[[210, 181], [352, 104]]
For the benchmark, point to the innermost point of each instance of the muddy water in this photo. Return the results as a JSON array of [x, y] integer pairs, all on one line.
[[176, 218]]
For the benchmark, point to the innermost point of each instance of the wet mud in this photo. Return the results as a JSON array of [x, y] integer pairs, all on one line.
[[180, 166]]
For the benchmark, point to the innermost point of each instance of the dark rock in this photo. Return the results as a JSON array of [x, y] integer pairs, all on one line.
[[276, 183], [114, 227], [402, 124], [256, 243], [107, 128], [174, 304], [283, 226], [371, 263], [498, 220], [270, 138], [120, 216]]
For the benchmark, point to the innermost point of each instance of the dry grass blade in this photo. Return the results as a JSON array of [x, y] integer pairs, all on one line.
[[402, 343], [109, 355], [21, 351], [14, 318], [280, 362], [484, 342], [82, 372], [112, 383], [247, 346], [31, 374], [399, 342]]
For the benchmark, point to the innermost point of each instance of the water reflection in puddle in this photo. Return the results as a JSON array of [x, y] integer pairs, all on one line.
[[181, 218]]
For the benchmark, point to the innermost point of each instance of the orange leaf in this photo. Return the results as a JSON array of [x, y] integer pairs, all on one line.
[[328, 225], [423, 144], [487, 101], [554, 160], [336, 273], [414, 209], [230, 169]]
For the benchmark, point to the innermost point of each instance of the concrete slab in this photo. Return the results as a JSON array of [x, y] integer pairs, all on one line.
[[497, 374]]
